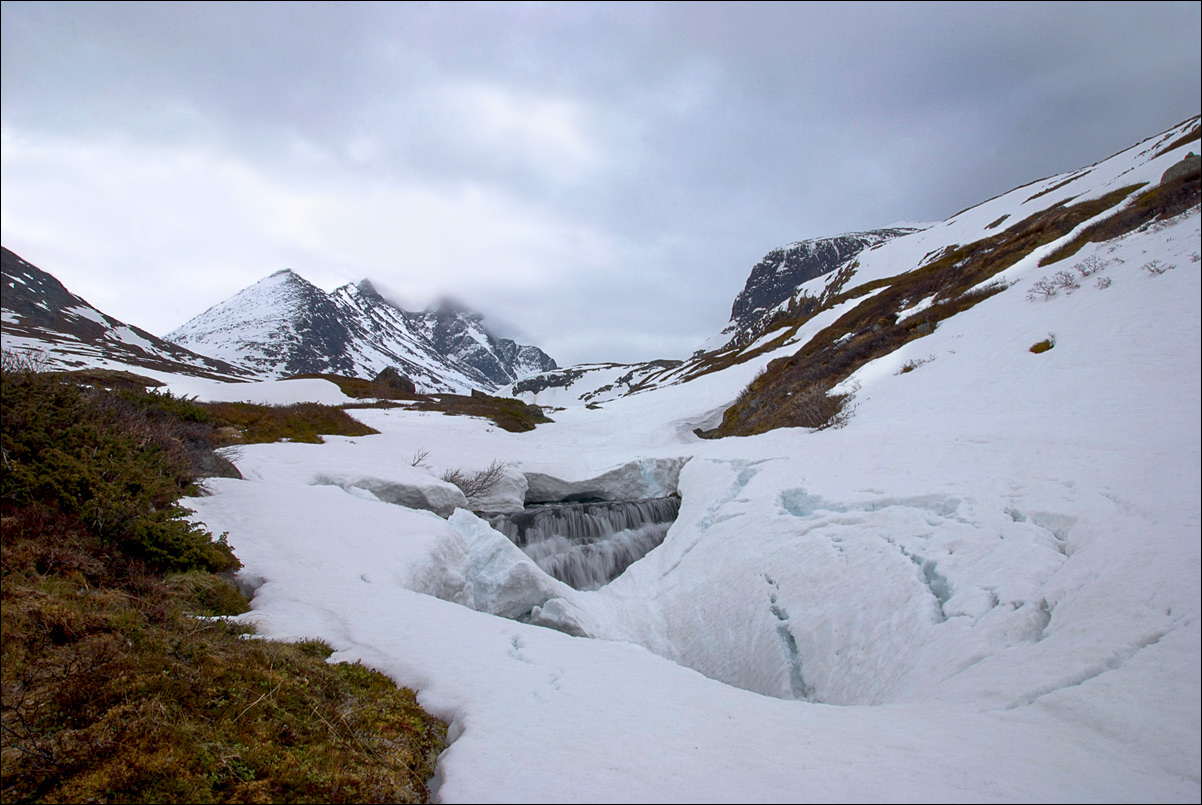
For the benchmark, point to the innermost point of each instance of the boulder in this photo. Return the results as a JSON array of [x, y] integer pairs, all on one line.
[[1189, 165], [391, 378]]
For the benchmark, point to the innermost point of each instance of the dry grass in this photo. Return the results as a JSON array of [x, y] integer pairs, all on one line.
[[1193, 134], [998, 222], [301, 422], [1044, 345], [508, 414], [1162, 201], [360, 389]]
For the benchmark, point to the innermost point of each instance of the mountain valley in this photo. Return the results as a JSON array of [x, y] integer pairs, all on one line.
[[927, 510]]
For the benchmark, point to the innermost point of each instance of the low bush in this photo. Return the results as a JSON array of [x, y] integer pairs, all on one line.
[[914, 363], [1157, 267], [301, 422], [1042, 288], [118, 462], [476, 485], [1066, 281], [1091, 265], [113, 690]]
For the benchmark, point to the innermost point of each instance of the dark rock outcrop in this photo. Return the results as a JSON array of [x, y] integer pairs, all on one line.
[[39, 309], [393, 380], [774, 280]]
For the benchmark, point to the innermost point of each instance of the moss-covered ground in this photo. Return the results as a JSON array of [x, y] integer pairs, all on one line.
[[123, 679]]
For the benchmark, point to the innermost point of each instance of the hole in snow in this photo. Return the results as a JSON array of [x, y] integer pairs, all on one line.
[[588, 545]]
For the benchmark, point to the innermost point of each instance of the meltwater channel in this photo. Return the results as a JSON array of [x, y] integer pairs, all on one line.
[[588, 545]]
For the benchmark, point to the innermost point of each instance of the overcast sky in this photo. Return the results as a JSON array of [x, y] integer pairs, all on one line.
[[597, 179]]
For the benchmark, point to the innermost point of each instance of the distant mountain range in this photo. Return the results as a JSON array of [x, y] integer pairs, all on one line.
[[280, 326], [284, 325]]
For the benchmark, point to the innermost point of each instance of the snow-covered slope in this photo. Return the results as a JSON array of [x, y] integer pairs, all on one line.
[[41, 317], [1001, 226], [284, 325], [986, 586]]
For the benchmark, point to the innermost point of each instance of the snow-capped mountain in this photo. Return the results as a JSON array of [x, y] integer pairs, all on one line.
[[41, 316], [284, 325]]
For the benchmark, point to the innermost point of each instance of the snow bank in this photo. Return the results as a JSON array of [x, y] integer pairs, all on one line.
[[644, 478], [263, 392]]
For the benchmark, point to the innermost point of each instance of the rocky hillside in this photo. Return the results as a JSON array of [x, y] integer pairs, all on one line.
[[41, 316], [854, 298]]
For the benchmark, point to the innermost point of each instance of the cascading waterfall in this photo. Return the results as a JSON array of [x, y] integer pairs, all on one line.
[[588, 545]]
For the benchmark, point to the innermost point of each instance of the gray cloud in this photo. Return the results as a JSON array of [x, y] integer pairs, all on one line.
[[602, 176]]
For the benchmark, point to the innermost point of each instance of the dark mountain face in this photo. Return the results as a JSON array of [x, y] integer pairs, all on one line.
[[319, 338], [774, 280], [460, 333], [40, 314]]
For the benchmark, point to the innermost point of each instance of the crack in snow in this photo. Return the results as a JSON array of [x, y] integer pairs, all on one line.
[[1115, 662], [788, 643]]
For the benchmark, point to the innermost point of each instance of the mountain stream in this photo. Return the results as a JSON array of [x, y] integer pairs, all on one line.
[[588, 545]]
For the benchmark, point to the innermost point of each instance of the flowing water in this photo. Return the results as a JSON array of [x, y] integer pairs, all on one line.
[[588, 545]]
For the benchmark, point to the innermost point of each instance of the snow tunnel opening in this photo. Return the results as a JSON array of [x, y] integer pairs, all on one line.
[[585, 533], [587, 545]]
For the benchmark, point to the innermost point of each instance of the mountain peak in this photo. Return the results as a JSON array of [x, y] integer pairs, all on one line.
[[284, 325]]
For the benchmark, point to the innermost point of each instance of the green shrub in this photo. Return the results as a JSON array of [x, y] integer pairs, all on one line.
[[114, 691], [116, 462], [111, 686], [301, 422]]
